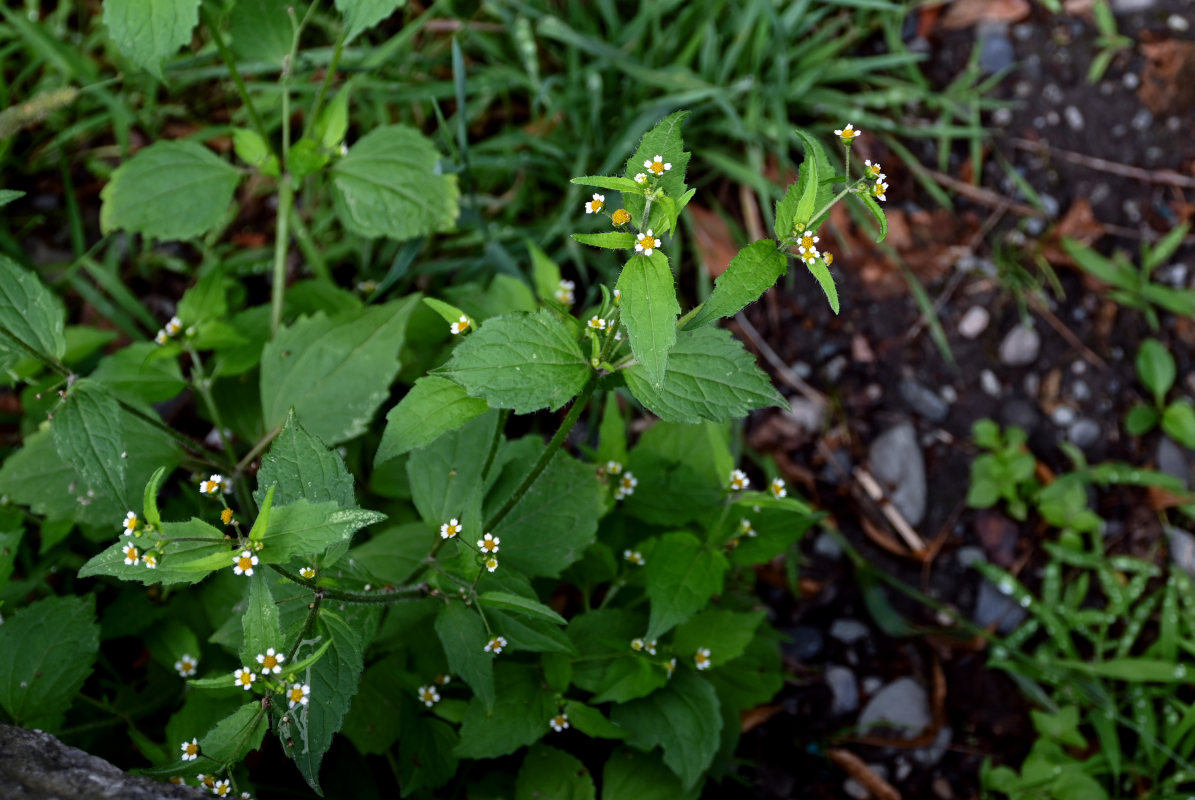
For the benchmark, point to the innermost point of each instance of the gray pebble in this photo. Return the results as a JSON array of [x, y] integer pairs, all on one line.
[[974, 322], [844, 690], [995, 48], [970, 555], [1142, 120], [1171, 460], [924, 400], [902, 705], [1063, 415], [1080, 391], [1129, 6], [989, 383], [1021, 413], [1084, 433], [1074, 118], [801, 369], [931, 754], [833, 370], [1177, 22], [827, 546], [1020, 347], [1130, 80], [806, 645], [992, 607], [897, 464], [848, 631]]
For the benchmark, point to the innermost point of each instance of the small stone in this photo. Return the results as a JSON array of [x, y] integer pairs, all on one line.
[[848, 631], [969, 555], [806, 645], [827, 546], [941, 789], [801, 369], [1063, 415], [924, 400], [1142, 120], [808, 415], [871, 684], [901, 705], [989, 383], [1182, 548], [1002, 117], [834, 369], [1074, 118], [1084, 433], [1130, 80], [932, 753], [948, 394], [974, 322], [992, 607], [1130, 6], [995, 48], [1020, 347], [896, 462], [1051, 93], [1081, 391], [1171, 460], [856, 790], [1177, 22], [844, 690], [1173, 275]]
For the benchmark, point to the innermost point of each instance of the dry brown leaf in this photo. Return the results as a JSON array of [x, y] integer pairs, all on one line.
[[1080, 223], [754, 717], [1168, 80], [966, 13]]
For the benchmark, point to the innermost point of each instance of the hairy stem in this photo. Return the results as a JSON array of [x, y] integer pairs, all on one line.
[[230, 62]]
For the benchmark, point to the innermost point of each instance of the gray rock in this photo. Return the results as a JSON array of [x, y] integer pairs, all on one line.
[[1084, 433], [36, 766], [834, 369], [1063, 415], [807, 414], [806, 645], [848, 631], [1177, 22], [932, 753], [993, 607], [1020, 347], [1021, 413], [989, 383], [902, 705], [896, 463], [844, 690], [1129, 6], [1173, 275], [827, 546], [1074, 118], [970, 555], [974, 322], [1173, 461], [1182, 548], [924, 401], [995, 48]]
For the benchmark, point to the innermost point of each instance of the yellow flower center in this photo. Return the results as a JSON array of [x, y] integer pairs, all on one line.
[[192, 749], [246, 678], [648, 242], [296, 695], [657, 167], [226, 516], [595, 205], [270, 662], [620, 217], [244, 563], [131, 552], [702, 658], [209, 781]]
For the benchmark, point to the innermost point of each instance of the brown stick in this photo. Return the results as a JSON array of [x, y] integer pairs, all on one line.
[[1166, 177]]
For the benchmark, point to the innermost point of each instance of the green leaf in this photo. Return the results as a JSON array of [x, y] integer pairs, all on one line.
[[446, 476], [502, 295], [629, 677], [545, 273], [262, 30], [169, 190], [682, 575], [388, 184], [682, 472], [234, 736], [301, 467], [663, 140], [333, 122], [726, 633], [633, 775], [611, 182], [548, 772], [262, 522], [334, 680], [9, 542], [786, 209], [464, 639], [1178, 421], [1132, 670], [333, 371], [876, 211], [683, 718], [260, 624], [206, 300], [806, 188], [611, 240], [530, 635], [306, 157], [752, 679], [302, 528], [141, 372], [551, 525], [519, 717], [149, 506], [524, 362], [649, 311], [709, 376], [1094, 263], [88, 434], [433, 407], [393, 554], [361, 15], [46, 653], [376, 718], [253, 150], [8, 195], [1141, 419], [147, 31], [1156, 367], [520, 605], [818, 269], [427, 757], [30, 312], [183, 561], [752, 272], [448, 312], [592, 722], [612, 434]]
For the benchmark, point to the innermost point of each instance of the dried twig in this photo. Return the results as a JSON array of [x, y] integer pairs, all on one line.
[[1065, 332], [894, 517], [852, 765], [782, 370], [1167, 177]]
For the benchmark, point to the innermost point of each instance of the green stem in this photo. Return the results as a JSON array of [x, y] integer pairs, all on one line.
[[52, 363], [360, 598], [826, 208], [286, 196], [315, 259], [328, 76], [308, 625], [557, 440], [258, 449], [203, 385], [230, 62]]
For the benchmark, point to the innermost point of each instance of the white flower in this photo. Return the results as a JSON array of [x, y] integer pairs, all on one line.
[[307, 572], [626, 486], [132, 556], [174, 326], [702, 658], [613, 467], [636, 645], [777, 488], [559, 722], [651, 647], [460, 326], [489, 543], [596, 204], [244, 563], [222, 788], [739, 480], [244, 677], [299, 694], [186, 665], [151, 561], [450, 528], [657, 166], [640, 178], [671, 667], [270, 661], [847, 134], [190, 750], [428, 695], [879, 188], [597, 323], [211, 485], [564, 293], [647, 243], [495, 645], [130, 523], [872, 171], [491, 564], [746, 528], [634, 556], [161, 338]]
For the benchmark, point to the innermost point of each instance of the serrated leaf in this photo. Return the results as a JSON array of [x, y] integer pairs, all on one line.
[[649, 311], [361, 15], [206, 300], [427, 754], [30, 312], [683, 718], [807, 184], [724, 632], [88, 435], [307, 529], [262, 29], [301, 467], [147, 31], [628, 677], [519, 717], [464, 638], [169, 190], [9, 542], [333, 371], [752, 272], [1156, 368], [710, 376], [260, 624], [818, 269], [592, 722], [682, 575], [548, 772], [334, 680], [786, 208], [663, 140], [554, 521], [1178, 421], [876, 211], [183, 562], [46, 653], [682, 472], [446, 476], [612, 240], [524, 362], [520, 605], [141, 372], [378, 714], [235, 735], [434, 406], [253, 150], [610, 182], [530, 635], [388, 185], [634, 775]]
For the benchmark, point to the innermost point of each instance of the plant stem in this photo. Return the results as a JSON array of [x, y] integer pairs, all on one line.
[[329, 73], [557, 440], [360, 598], [230, 62], [286, 196], [258, 448]]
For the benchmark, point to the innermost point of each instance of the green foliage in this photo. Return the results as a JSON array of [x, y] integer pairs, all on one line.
[[1005, 473], [147, 31], [1157, 371]]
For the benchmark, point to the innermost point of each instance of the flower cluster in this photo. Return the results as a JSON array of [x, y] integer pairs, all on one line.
[[739, 480], [634, 556], [495, 645], [746, 529], [626, 486], [639, 644], [597, 323], [559, 722], [173, 328], [428, 695], [216, 483], [565, 294], [460, 326]]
